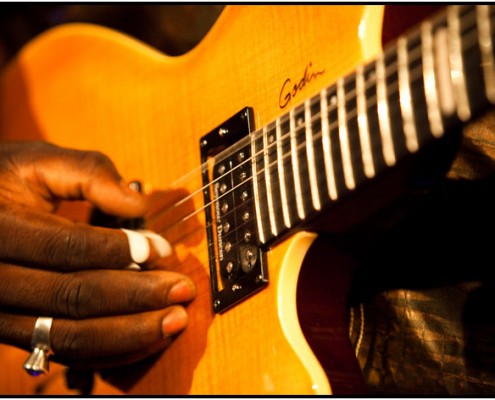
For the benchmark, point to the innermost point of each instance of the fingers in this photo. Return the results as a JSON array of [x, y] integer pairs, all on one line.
[[90, 338], [146, 246], [90, 293], [101, 318], [92, 176], [34, 238], [93, 342], [75, 273], [42, 172]]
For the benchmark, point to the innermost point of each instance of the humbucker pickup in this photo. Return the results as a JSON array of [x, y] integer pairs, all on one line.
[[237, 263]]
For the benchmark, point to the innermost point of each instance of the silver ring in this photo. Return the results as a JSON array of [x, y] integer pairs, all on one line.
[[38, 361]]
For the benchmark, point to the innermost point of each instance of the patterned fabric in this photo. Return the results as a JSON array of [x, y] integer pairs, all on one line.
[[430, 342], [429, 325]]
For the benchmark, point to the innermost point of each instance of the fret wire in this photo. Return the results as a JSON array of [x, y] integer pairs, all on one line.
[[383, 114], [257, 207], [456, 63], [486, 48], [344, 136], [430, 83], [295, 166], [442, 70], [362, 118], [281, 175], [268, 180], [405, 98], [327, 146], [315, 195]]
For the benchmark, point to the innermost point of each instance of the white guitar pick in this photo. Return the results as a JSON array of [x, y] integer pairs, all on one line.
[[139, 246]]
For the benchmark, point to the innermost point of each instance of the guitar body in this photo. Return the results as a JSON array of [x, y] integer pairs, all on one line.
[[87, 87]]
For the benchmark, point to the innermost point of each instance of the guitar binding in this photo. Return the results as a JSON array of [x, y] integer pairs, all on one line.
[[236, 260]]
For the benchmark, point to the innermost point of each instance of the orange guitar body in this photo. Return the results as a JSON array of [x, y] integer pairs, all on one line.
[[87, 87]]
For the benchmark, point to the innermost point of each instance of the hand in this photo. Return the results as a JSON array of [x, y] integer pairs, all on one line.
[[103, 313]]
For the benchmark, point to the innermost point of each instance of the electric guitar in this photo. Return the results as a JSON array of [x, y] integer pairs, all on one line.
[[284, 122]]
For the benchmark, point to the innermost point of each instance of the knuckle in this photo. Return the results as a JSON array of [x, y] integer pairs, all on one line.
[[40, 145], [150, 294], [65, 247], [74, 342], [96, 161], [12, 331], [72, 297], [70, 342]]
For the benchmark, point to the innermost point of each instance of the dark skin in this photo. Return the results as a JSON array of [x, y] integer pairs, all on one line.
[[76, 273]]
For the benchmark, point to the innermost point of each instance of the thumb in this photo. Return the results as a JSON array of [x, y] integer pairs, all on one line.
[[92, 176]]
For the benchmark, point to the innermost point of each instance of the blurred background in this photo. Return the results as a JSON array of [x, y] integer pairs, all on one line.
[[173, 29]]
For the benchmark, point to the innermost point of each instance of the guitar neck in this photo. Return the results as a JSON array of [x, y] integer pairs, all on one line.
[[418, 90]]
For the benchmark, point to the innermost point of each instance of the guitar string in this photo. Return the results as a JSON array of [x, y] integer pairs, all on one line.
[[392, 68], [414, 75], [299, 148], [394, 87]]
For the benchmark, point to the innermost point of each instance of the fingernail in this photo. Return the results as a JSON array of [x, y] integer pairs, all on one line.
[[133, 267], [175, 321], [138, 246], [134, 186], [182, 291], [162, 247]]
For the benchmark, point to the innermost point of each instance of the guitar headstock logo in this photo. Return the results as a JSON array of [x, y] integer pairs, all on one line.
[[290, 88]]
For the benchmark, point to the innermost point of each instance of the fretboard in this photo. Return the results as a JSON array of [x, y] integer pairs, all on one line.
[[430, 81]]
